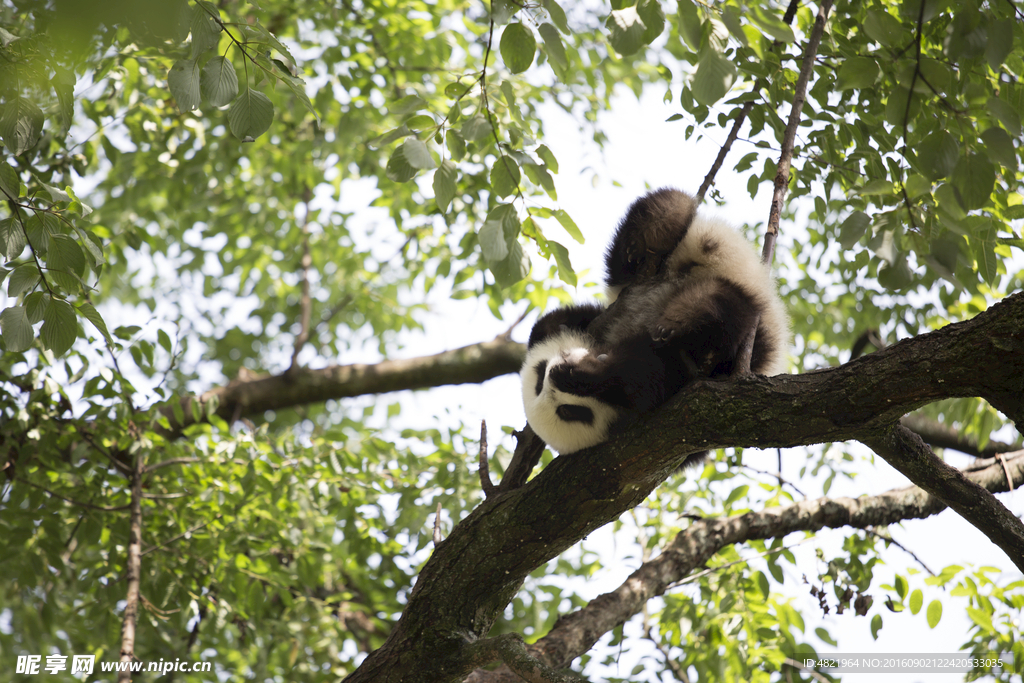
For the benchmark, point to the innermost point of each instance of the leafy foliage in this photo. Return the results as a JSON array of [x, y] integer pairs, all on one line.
[[219, 150]]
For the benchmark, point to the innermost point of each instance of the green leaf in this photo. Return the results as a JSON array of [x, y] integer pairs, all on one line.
[[406, 106], [825, 636], [626, 30], [876, 625], [937, 155], [999, 147], [557, 15], [1006, 115], [17, 331], [518, 47], [418, 154], [205, 32], [985, 256], [552, 47], [10, 183], [934, 613], [688, 20], [250, 115], [883, 28], [857, 73], [89, 312], [653, 17], [218, 82], [974, 179], [566, 221], [901, 586], [769, 23], [762, 584], [60, 327], [492, 240], [183, 82], [714, 77], [36, 304], [389, 137], [916, 600], [853, 228], [565, 270], [22, 279], [548, 158], [999, 42], [513, 268], [444, 184], [476, 128], [65, 262], [20, 124], [982, 619], [12, 238], [505, 176]]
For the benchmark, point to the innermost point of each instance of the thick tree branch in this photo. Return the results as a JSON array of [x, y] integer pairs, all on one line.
[[300, 386], [938, 435], [511, 534], [576, 633], [904, 450]]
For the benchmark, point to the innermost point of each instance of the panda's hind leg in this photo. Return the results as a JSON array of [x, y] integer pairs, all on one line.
[[710, 320]]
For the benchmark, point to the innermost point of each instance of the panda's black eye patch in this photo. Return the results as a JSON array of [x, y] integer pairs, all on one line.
[[541, 368], [571, 413]]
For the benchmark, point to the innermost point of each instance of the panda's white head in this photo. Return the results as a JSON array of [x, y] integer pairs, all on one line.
[[567, 422]]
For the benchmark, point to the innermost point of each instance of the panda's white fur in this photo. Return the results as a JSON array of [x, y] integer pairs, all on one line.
[[686, 290], [542, 408]]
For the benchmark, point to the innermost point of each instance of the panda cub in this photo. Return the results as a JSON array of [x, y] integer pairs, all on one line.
[[686, 290]]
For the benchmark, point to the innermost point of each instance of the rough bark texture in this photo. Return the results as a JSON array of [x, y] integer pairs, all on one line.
[[574, 634], [299, 386], [474, 573]]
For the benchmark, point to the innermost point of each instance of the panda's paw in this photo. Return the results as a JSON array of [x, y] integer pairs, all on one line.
[[662, 334]]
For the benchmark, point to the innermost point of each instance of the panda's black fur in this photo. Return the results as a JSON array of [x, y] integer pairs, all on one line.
[[686, 291]]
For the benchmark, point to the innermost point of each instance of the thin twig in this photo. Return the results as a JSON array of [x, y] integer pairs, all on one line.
[[102, 508], [789, 138], [485, 475], [437, 524], [890, 539]]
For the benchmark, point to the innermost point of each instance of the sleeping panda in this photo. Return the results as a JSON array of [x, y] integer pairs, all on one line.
[[686, 292]]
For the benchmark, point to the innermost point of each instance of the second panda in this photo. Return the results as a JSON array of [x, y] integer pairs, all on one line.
[[686, 292]]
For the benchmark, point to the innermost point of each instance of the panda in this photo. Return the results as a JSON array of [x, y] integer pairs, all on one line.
[[686, 290]]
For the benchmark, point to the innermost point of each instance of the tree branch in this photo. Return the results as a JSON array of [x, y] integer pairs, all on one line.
[[904, 450], [574, 634], [938, 435], [301, 386], [509, 535], [133, 571], [789, 138]]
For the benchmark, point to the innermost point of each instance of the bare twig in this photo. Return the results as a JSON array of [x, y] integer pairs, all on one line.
[[437, 525], [744, 112], [789, 138], [485, 475], [90, 506], [889, 539]]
